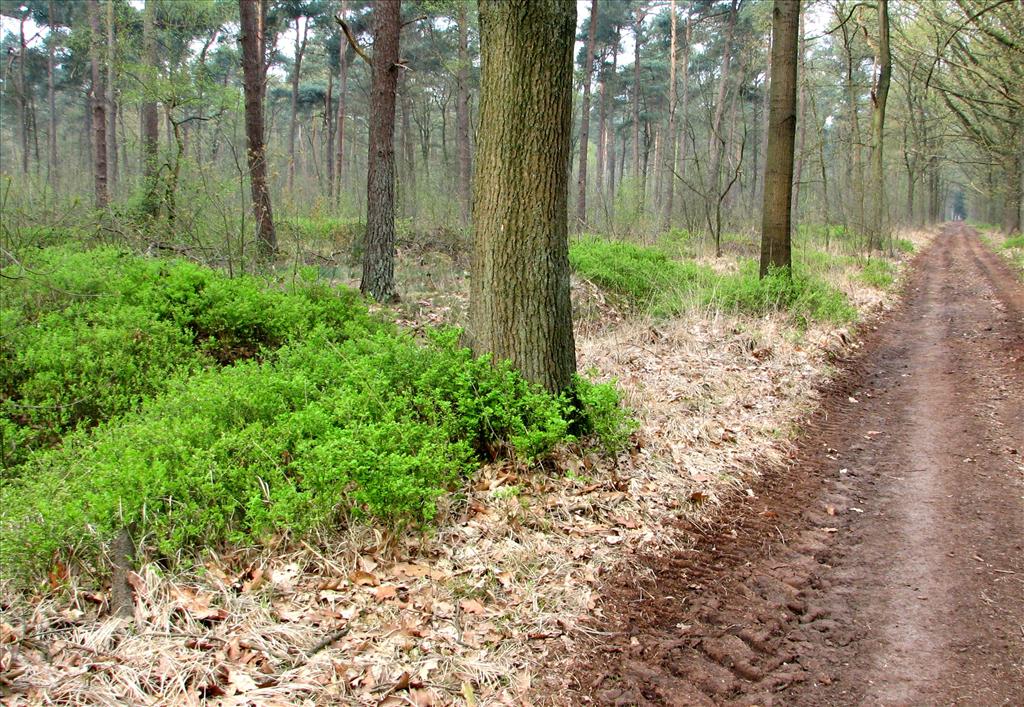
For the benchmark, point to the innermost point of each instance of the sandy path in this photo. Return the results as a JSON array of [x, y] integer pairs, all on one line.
[[886, 566]]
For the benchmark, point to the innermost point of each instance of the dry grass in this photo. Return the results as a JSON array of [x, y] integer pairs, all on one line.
[[468, 614]]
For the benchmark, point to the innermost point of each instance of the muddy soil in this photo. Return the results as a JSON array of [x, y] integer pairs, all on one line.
[[886, 565]]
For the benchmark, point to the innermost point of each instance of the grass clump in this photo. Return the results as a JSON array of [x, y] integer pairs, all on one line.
[[1014, 242], [805, 297], [878, 273]]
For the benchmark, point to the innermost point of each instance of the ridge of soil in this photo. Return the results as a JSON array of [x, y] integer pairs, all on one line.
[[886, 564]]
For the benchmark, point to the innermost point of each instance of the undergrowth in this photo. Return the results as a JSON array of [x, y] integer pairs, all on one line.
[[648, 279], [339, 415]]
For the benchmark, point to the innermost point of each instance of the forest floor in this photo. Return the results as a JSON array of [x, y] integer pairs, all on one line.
[[885, 565]]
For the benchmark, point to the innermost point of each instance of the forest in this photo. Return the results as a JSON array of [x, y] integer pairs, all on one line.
[[428, 352]]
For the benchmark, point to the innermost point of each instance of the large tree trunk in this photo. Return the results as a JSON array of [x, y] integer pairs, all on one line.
[[879, 97], [379, 252], [778, 178], [300, 49], [465, 168], [588, 70], [99, 117], [253, 44], [519, 298], [111, 98], [150, 116], [670, 147]]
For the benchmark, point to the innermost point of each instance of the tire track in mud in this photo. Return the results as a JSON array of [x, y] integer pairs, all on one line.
[[886, 565]]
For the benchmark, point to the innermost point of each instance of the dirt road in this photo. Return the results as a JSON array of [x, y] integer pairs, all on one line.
[[886, 567]]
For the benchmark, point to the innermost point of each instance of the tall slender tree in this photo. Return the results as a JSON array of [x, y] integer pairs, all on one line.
[[99, 115], [150, 116], [588, 70], [379, 250], [519, 290], [879, 98], [778, 177], [252, 16], [465, 165]]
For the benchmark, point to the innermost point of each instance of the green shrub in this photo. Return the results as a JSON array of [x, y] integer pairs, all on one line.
[[877, 273], [650, 280], [644, 276], [377, 426], [903, 245], [805, 297], [1014, 242], [86, 335]]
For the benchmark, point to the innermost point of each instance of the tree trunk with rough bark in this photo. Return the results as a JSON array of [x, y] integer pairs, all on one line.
[[99, 116], [588, 69], [379, 251], [778, 178], [150, 116], [520, 308], [253, 69]]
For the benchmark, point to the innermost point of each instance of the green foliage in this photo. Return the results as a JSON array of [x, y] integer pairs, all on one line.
[[805, 297], [348, 417], [646, 277], [649, 279], [606, 418], [903, 245], [1014, 242], [88, 334], [878, 273]]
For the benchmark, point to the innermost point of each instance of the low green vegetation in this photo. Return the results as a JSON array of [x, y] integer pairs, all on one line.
[[228, 410], [86, 335], [878, 273], [648, 279]]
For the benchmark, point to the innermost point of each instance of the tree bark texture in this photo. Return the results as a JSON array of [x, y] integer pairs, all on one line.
[[150, 116], [252, 40], [588, 70], [778, 177], [99, 115], [379, 251], [520, 308]]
